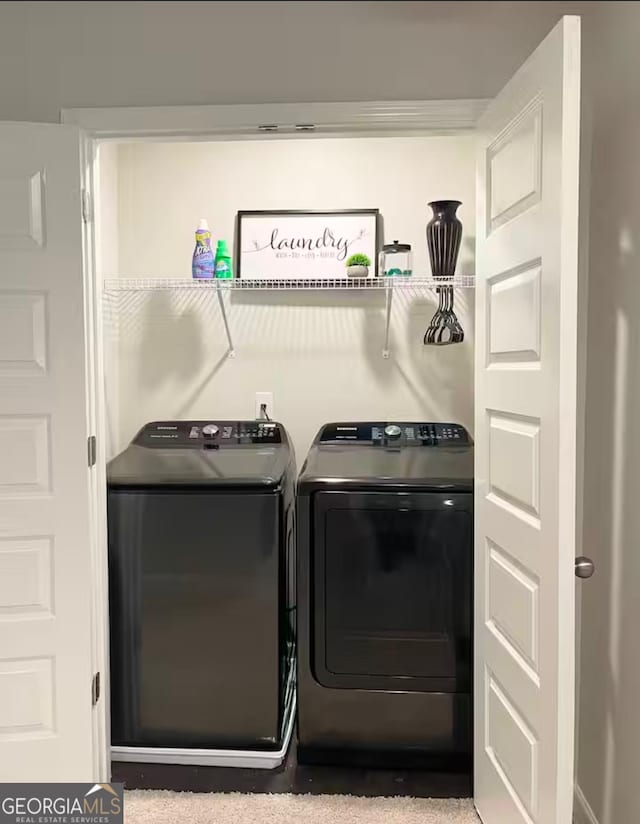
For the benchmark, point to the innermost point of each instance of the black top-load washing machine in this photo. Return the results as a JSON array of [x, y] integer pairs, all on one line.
[[201, 567], [385, 575]]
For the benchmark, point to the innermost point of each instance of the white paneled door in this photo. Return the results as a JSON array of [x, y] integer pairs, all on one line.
[[526, 375], [45, 526]]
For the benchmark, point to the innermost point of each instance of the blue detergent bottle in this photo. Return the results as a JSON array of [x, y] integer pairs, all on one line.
[[202, 264]]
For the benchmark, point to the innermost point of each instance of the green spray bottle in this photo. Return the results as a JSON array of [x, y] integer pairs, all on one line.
[[223, 267]]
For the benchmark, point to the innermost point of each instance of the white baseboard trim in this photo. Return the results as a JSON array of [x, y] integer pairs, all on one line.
[[582, 812]]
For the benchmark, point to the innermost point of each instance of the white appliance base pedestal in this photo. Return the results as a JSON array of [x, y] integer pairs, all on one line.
[[247, 759]]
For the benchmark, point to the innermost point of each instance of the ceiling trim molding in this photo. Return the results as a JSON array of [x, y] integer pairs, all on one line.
[[277, 119]]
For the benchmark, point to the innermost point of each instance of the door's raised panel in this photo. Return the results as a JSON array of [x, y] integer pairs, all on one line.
[[514, 168], [514, 461], [513, 322], [512, 602], [22, 211], [24, 455], [26, 698], [25, 578], [512, 746], [23, 334]]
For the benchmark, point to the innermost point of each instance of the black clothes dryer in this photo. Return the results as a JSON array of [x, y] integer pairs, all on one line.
[[201, 568], [385, 577]]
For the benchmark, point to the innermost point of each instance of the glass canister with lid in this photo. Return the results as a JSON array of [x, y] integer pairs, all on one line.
[[396, 260]]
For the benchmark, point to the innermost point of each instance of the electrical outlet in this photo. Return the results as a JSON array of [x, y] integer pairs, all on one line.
[[266, 399]]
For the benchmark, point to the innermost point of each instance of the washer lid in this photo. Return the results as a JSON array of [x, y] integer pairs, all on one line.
[[248, 454]]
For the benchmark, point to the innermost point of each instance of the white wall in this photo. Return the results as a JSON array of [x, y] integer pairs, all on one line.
[[62, 54], [319, 354], [164, 188], [609, 720]]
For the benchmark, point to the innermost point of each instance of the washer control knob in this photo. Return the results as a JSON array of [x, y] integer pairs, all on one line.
[[210, 430], [392, 431]]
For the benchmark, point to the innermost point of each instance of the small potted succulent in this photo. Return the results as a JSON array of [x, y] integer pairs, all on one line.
[[358, 266]]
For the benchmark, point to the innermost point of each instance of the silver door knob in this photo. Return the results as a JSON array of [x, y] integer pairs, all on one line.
[[584, 567]]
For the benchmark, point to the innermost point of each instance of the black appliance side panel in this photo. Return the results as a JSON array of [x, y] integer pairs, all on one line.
[[194, 591], [287, 584]]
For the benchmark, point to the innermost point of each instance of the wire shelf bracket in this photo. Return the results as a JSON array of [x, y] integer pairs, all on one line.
[[388, 304], [223, 310]]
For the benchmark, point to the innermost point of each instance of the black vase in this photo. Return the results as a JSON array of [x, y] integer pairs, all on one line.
[[444, 232]]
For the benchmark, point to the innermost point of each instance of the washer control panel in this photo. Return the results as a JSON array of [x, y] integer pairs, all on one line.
[[395, 434], [209, 434]]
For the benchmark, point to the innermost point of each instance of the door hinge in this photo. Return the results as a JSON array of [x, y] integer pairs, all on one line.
[[87, 212], [95, 689], [92, 448]]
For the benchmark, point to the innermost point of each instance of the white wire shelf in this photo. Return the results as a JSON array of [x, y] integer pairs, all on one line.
[[277, 285], [119, 292]]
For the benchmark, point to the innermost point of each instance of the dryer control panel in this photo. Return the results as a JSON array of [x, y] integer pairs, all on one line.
[[395, 434], [209, 434]]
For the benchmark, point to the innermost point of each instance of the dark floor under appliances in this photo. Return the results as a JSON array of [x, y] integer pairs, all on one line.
[[385, 571], [293, 777], [201, 569]]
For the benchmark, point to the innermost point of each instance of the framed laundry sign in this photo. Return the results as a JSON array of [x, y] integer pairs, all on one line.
[[295, 245]]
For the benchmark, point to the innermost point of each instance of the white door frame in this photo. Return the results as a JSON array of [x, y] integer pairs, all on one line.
[[95, 367], [207, 123], [269, 120], [260, 121]]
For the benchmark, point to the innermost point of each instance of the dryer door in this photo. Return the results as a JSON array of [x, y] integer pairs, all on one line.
[[392, 584]]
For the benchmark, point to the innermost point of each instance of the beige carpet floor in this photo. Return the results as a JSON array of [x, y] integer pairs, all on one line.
[[165, 807]]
